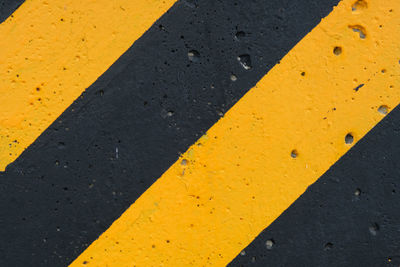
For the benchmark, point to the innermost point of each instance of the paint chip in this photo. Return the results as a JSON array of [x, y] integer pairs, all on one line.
[[373, 229], [194, 55], [383, 109], [360, 29], [328, 246], [358, 87], [349, 139], [269, 243], [337, 50], [245, 61]]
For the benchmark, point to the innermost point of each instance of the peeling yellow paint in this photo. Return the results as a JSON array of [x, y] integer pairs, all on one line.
[[51, 51], [242, 175]]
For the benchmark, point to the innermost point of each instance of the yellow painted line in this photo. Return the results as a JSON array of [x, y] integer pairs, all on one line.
[[51, 51], [240, 176]]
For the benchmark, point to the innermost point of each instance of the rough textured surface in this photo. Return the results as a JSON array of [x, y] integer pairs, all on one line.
[[7, 7], [132, 124], [51, 51], [269, 147], [349, 217]]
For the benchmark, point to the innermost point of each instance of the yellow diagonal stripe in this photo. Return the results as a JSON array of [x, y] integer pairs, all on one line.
[[275, 142], [51, 51]]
